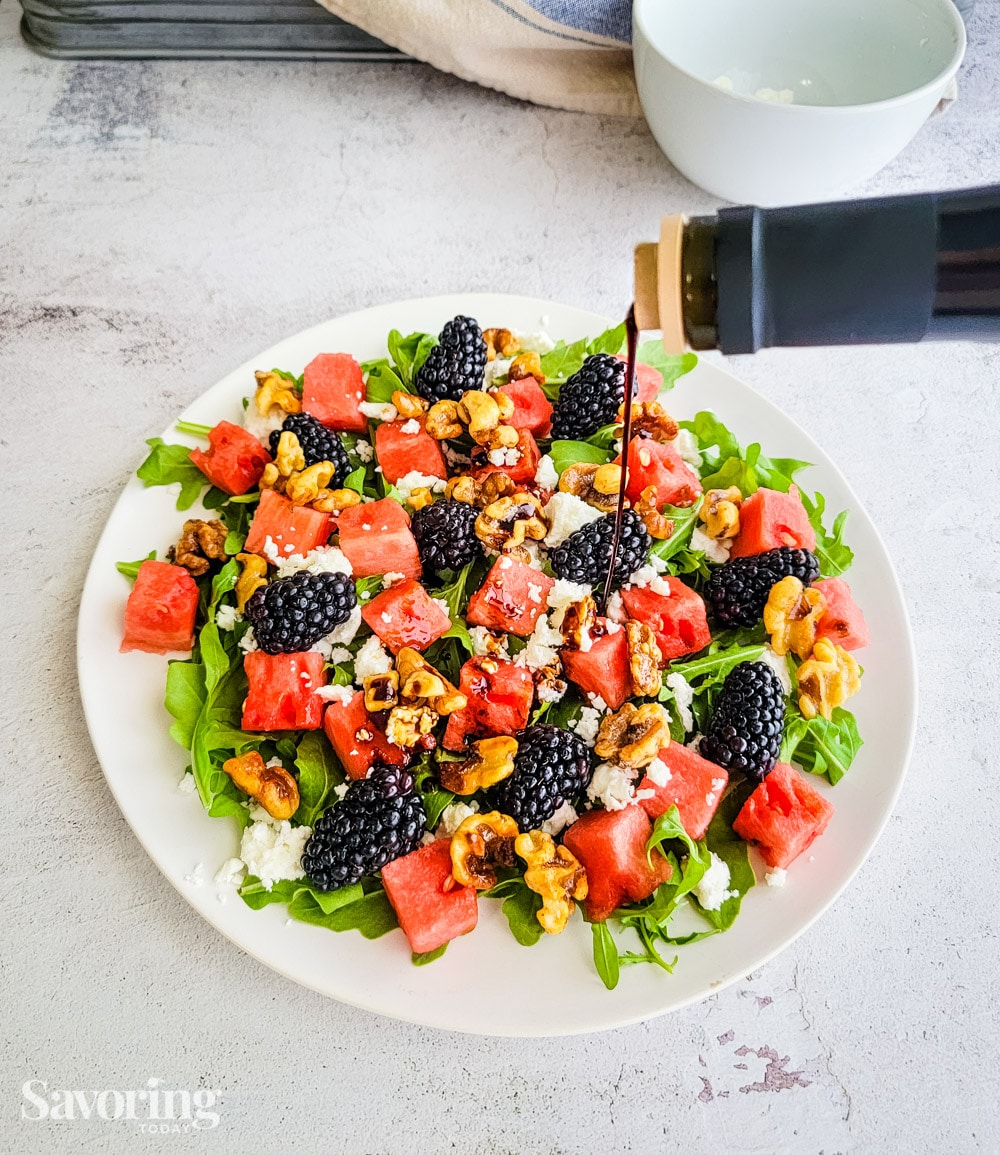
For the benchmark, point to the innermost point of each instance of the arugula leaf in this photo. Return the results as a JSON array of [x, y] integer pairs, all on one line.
[[820, 745], [420, 960], [319, 772], [520, 907], [296, 381], [610, 341], [833, 555], [653, 354], [715, 664], [356, 480], [669, 828], [185, 699], [684, 519], [712, 435], [167, 464], [724, 843], [560, 363], [567, 453], [605, 955], [382, 382], [372, 914], [409, 353], [433, 795], [193, 429], [736, 470], [130, 569]]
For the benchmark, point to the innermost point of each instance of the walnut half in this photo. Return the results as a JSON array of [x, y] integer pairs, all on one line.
[[492, 762], [555, 874], [481, 843], [200, 542], [272, 786], [633, 736], [644, 659]]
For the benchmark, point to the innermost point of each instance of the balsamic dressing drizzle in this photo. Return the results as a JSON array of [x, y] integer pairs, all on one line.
[[632, 335]]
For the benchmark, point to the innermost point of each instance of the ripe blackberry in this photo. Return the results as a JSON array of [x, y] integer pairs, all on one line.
[[454, 365], [291, 614], [377, 820], [590, 398], [745, 732], [552, 766], [738, 590], [318, 444], [446, 535], [585, 555]]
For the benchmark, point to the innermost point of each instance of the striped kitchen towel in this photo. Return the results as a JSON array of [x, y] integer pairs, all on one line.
[[566, 53]]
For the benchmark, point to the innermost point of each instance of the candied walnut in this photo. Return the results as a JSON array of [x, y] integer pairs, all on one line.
[[482, 843], [527, 364], [578, 620], [495, 486], [272, 786], [657, 524], [462, 488], [500, 343], [502, 437], [307, 485], [608, 479], [633, 736], [827, 678], [407, 725], [650, 419], [644, 659], [335, 500], [252, 576], [420, 497], [791, 616], [442, 420], [200, 543], [555, 874], [506, 524], [492, 762], [288, 460], [381, 691], [720, 511], [420, 683], [273, 389], [409, 404], [578, 480]]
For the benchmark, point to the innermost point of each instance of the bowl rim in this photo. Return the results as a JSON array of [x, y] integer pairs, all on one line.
[[947, 7]]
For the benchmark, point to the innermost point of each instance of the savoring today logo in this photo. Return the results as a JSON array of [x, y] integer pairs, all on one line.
[[154, 1109]]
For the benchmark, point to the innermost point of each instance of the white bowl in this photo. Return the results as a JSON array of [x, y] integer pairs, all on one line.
[[788, 101]]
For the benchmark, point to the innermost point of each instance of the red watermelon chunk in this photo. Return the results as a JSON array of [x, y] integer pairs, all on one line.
[[332, 389], [499, 701], [404, 446], [648, 381], [842, 621], [512, 598], [406, 615], [603, 670], [235, 458], [783, 816], [160, 611], [524, 467], [532, 409], [376, 538], [695, 787], [659, 464], [294, 529], [430, 907], [677, 618], [357, 739], [769, 520], [611, 846], [282, 691]]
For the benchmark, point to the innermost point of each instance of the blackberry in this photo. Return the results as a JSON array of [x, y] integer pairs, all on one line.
[[318, 444], [291, 614], [446, 535], [590, 398], [738, 590], [456, 364], [377, 820], [552, 766], [585, 555], [745, 732]]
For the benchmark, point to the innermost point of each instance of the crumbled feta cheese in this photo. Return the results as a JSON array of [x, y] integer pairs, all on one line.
[[263, 427], [611, 627], [615, 611], [546, 475], [273, 850], [658, 772], [453, 816], [542, 647], [563, 817], [714, 551], [566, 513], [187, 784], [416, 480], [231, 872], [443, 606], [695, 742], [339, 654], [341, 790], [780, 667], [539, 342], [373, 658], [427, 838], [718, 785], [658, 563], [713, 889], [196, 878], [485, 642], [611, 786], [343, 634], [391, 578], [248, 643], [563, 594], [649, 576], [686, 445], [498, 367], [341, 694], [503, 457], [775, 877], [598, 702], [322, 559], [549, 693], [226, 617], [363, 449], [587, 725], [411, 426], [378, 410], [683, 697], [535, 593]]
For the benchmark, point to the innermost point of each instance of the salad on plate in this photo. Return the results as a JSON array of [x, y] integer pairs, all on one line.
[[435, 658]]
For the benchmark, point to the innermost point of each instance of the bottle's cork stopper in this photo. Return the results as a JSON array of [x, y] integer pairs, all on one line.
[[658, 296]]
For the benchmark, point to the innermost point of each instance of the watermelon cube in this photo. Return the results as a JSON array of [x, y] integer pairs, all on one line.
[[333, 388], [376, 538], [648, 381], [532, 409], [603, 670], [160, 611], [235, 458], [431, 908], [783, 816], [512, 598], [293, 529], [524, 466], [695, 787], [769, 520], [611, 847], [357, 738], [677, 618], [499, 701], [406, 615], [842, 622], [658, 464], [281, 691], [404, 446]]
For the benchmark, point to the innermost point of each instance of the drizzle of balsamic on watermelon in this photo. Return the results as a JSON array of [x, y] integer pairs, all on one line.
[[632, 337]]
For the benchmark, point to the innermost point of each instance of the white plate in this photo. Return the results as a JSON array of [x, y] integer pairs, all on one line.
[[486, 983]]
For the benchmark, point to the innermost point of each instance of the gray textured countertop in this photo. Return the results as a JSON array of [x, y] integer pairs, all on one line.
[[159, 224]]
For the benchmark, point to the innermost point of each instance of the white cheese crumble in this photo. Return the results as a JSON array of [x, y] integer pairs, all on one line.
[[776, 877], [566, 513], [231, 872], [322, 559], [611, 786], [713, 889], [501, 457], [378, 410], [598, 702], [548, 693], [484, 642], [417, 480], [649, 576], [341, 694], [342, 635], [248, 643], [453, 816], [587, 725], [683, 697], [443, 606], [391, 578], [411, 426], [686, 445], [563, 594], [563, 817], [196, 877], [535, 593], [714, 551], [373, 658], [695, 742], [226, 617], [615, 611], [498, 367], [454, 457], [658, 772], [363, 450], [780, 667], [263, 427], [340, 654], [187, 784], [341, 790], [539, 342], [542, 646], [273, 850], [546, 475]]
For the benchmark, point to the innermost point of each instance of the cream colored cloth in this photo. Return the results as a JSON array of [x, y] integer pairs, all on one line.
[[571, 54]]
